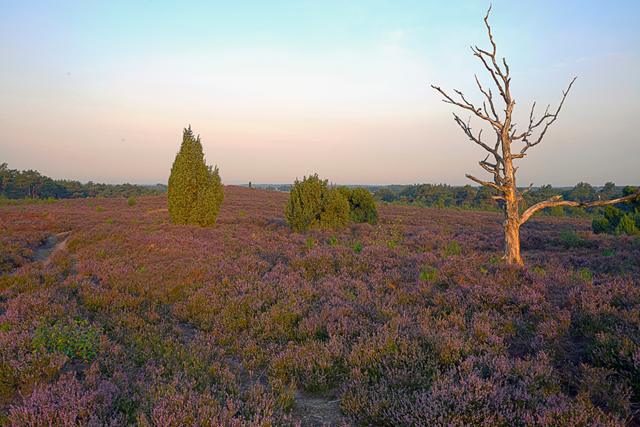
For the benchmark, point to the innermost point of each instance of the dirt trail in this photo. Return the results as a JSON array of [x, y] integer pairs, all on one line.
[[54, 242], [316, 411], [310, 410]]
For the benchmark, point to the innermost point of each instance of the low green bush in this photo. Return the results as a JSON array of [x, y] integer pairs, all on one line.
[[362, 207], [313, 204], [73, 339], [617, 222]]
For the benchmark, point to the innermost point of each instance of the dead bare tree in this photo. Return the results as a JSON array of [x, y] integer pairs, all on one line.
[[501, 167]]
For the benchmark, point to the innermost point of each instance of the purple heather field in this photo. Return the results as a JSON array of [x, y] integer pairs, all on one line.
[[411, 322]]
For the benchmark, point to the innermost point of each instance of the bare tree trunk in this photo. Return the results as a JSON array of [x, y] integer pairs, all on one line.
[[512, 243], [512, 228]]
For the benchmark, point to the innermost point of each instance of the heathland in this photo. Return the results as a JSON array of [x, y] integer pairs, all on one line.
[[110, 315]]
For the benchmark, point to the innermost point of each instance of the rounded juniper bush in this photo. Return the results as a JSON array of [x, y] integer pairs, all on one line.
[[313, 204], [195, 192], [362, 208]]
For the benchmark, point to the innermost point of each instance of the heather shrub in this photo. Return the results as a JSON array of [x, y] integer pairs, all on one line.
[[203, 329], [620, 353], [391, 237], [481, 391], [195, 192], [20, 367], [605, 390], [177, 404], [315, 365], [313, 204], [68, 402]]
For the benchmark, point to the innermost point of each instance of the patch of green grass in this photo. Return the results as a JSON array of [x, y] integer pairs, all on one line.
[[453, 248], [429, 274], [74, 339]]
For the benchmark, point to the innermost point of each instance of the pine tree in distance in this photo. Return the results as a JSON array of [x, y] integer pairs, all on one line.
[[195, 192]]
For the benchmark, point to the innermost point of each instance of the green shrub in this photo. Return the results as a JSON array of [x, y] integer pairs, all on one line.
[[617, 222], [453, 248], [73, 339], [569, 239], [362, 207], [99, 209], [429, 274], [627, 226], [195, 192], [601, 225], [313, 204], [131, 201]]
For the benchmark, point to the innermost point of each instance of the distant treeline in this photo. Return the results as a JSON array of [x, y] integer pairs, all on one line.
[[473, 198], [287, 187], [16, 184]]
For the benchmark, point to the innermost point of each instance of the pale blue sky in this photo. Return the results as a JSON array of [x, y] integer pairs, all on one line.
[[102, 90]]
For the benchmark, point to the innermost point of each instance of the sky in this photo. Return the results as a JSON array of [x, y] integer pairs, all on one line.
[[277, 90]]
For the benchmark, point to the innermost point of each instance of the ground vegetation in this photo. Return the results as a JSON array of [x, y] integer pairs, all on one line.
[[413, 321]]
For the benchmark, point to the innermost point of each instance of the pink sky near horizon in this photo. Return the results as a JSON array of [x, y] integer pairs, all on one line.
[[348, 98]]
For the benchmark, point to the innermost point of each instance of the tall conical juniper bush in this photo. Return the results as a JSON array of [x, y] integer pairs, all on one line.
[[313, 204], [195, 191]]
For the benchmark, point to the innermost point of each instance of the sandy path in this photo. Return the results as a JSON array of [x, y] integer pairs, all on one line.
[[54, 242]]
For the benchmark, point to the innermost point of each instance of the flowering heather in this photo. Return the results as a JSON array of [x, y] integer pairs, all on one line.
[[413, 321]]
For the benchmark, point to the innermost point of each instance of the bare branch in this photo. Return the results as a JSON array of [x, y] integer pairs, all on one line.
[[546, 115], [504, 91], [525, 191], [467, 106], [487, 184], [493, 169], [479, 53], [467, 130], [489, 97], [555, 201]]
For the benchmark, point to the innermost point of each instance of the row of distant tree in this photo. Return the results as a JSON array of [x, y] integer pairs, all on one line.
[[472, 198], [16, 184]]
